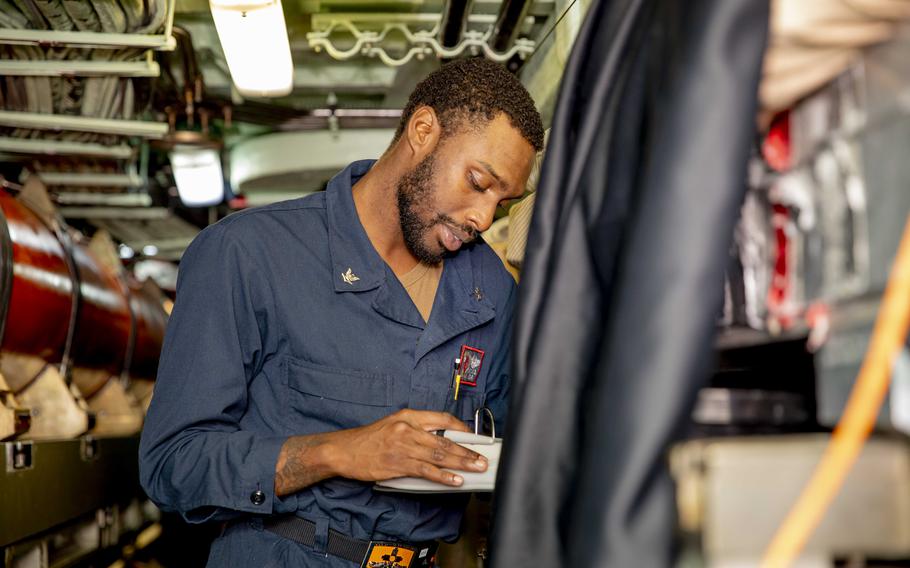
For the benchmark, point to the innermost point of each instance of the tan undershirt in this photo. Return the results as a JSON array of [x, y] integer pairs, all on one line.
[[421, 284]]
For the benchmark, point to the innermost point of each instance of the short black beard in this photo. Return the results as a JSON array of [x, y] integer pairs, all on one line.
[[415, 193]]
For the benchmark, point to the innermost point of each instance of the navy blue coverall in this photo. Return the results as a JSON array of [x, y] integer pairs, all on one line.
[[271, 337]]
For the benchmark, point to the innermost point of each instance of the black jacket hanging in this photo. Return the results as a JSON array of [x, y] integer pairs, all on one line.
[[640, 189]]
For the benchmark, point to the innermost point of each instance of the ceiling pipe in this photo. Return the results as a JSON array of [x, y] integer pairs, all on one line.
[[454, 20], [193, 87], [508, 24]]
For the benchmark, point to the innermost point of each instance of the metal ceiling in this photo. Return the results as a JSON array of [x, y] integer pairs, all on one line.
[[93, 93]]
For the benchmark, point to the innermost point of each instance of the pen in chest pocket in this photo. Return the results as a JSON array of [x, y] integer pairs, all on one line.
[[456, 377]]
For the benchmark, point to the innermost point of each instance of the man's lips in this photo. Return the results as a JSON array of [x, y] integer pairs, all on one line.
[[453, 238]]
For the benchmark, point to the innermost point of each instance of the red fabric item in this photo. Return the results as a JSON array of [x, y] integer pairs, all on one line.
[[776, 146]]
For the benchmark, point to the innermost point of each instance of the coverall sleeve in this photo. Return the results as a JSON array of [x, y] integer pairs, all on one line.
[[497, 396], [194, 457]]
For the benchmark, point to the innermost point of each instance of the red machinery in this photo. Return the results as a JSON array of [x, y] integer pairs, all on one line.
[[45, 277]]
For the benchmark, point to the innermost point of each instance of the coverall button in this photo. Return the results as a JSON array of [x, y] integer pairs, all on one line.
[[257, 497]]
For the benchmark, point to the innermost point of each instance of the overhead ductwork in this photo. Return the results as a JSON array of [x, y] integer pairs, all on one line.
[[290, 164]]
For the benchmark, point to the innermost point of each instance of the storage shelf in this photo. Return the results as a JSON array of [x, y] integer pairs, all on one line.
[[65, 480], [742, 337]]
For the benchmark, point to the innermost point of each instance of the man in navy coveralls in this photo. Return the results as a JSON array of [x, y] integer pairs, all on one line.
[[299, 366]]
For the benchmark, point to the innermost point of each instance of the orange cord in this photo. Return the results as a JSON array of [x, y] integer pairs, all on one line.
[[858, 419]]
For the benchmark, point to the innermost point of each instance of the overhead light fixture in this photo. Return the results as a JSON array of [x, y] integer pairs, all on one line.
[[149, 250], [197, 172], [255, 42]]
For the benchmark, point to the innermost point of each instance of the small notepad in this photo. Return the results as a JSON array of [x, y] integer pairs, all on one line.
[[474, 482]]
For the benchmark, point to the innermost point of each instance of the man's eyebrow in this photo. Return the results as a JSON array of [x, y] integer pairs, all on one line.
[[493, 173]]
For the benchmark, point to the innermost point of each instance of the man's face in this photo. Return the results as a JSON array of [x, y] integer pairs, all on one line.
[[452, 194]]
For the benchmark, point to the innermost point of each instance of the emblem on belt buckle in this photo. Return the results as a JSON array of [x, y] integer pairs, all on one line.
[[397, 555]]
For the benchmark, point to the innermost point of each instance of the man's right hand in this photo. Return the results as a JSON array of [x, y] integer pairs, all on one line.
[[399, 445]]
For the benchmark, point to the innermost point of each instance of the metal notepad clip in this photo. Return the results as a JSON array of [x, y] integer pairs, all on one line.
[[477, 421]]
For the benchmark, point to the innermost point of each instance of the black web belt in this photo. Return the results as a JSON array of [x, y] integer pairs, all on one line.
[[338, 544]]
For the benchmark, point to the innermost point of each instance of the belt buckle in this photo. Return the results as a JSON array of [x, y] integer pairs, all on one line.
[[384, 554]]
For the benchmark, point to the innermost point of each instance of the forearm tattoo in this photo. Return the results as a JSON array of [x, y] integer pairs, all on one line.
[[297, 467]]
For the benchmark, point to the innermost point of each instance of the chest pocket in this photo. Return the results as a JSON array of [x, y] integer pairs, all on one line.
[[435, 390], [470, 397], [465, 406], [443, 400], [324, 398]]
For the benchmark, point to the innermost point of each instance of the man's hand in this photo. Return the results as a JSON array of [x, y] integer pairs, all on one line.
[[399, 445]]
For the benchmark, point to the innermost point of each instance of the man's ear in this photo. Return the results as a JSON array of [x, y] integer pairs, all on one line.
[[423, 132]]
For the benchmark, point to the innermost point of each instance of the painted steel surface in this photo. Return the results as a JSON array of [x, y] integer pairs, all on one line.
[[151, 319], [103, 325], [41, 301], [41, 297]]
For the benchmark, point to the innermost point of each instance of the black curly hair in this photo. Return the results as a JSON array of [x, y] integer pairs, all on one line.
[[475, 88]]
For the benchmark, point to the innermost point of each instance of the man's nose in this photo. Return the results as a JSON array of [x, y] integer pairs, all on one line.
[[482, 217]]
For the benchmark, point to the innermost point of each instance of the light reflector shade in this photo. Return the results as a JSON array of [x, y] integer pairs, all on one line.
[[197, 171], [255, 43]]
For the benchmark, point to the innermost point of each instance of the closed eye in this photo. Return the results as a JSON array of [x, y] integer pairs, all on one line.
[[474, 184]]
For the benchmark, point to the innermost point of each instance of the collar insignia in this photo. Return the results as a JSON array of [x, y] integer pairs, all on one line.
[[349, 277]]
